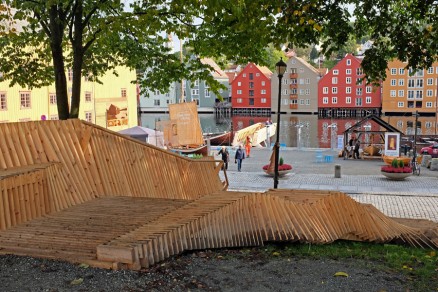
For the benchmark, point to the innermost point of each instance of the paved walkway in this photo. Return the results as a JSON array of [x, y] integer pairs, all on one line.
[[415, 197]]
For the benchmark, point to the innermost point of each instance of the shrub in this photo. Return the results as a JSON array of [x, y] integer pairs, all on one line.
[[281, 161]]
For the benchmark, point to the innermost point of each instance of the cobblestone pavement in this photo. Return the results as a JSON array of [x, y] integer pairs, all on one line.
[[415, 197]]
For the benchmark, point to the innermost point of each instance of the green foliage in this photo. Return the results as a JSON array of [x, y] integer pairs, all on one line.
[[281, 161], [401, 163], [394, 163]]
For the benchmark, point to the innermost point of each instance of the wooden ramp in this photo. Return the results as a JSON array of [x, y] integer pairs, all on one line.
[[73, 191], [126, 232]]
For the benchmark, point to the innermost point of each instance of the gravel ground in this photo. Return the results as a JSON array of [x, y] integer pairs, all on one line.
[[224, 270]]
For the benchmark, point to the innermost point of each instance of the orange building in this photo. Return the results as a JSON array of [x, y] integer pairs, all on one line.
[[406, 91]]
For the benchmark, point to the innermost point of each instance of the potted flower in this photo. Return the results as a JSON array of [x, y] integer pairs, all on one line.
[[283, 168], [397, 170]]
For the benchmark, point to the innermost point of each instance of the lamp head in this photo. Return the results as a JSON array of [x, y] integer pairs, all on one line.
[[280, 67]]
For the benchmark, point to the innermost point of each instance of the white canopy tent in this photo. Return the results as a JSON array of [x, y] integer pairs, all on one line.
[[150, 136]]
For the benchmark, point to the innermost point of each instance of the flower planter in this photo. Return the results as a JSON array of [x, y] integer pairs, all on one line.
[[396, 176], [280, 172]]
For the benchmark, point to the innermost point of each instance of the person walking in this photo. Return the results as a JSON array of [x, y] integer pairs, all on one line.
[[225, 156], [240, 155], [356, 149], [248, 146]]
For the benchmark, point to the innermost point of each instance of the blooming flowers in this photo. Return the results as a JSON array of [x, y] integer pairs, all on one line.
[[392, 169]]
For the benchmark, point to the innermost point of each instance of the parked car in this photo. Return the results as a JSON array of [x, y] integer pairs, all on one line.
[[430, 150]]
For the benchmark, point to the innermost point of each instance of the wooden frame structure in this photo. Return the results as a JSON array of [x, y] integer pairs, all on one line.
[[74, 191]]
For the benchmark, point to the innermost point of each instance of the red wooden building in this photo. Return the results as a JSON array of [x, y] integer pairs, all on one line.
[[342, 93], [251, 90]]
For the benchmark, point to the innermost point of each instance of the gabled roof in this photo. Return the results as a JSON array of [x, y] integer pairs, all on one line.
[[378, 121], [217, 72], [265, 70], [305, 63]]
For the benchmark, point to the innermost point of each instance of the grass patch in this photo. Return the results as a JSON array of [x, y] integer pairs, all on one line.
[[420, 265]]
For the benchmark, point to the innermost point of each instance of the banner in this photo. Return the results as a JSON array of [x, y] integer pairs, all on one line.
[[392, 144]]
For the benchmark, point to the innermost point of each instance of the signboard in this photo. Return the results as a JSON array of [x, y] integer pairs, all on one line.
[[340, 141], [392, 144]]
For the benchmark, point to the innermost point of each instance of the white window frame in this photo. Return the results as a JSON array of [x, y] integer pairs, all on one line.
[[348, 99], [335, 72], [325, 90], [334, 100], [334, 90], [400, 104], [25, 100], [325, 100], [3, 101], [368, 99]]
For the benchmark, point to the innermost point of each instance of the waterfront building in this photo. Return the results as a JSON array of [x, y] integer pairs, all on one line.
[[112, 104], [251, 90], [343, 92], [407, 91], [299, 89]]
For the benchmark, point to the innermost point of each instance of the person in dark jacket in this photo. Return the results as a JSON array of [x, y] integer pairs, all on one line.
[[225, 156], [240, 155], [356, 149]]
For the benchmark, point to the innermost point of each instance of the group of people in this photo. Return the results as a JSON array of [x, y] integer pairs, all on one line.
[[238, 157], [354, 144]]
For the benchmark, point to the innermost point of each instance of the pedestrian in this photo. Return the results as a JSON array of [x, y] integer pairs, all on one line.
[[225, 156], [240, 155], [356, 149], [248, 146]]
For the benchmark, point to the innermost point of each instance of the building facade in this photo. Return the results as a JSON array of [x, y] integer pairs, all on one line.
[[112, 104], [342, 92], [299, 88], [251, 90], [406, 91]]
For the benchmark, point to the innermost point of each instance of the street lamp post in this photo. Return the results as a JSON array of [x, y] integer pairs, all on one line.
[[280, 68]]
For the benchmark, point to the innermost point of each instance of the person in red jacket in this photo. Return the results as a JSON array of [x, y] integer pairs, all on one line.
[[248, 146]]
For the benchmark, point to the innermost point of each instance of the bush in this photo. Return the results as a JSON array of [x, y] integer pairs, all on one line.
[[281, 161]]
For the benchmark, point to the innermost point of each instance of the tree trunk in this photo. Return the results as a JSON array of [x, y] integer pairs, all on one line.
[[77, 61], [57, 30]]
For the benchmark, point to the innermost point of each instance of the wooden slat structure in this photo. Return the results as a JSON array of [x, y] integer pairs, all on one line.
[[74, 191]]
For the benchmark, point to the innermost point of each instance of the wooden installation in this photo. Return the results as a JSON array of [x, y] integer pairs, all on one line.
[[74, 191]]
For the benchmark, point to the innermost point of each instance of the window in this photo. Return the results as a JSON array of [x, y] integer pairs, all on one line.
[[123, 92], [430, 70], [284, 91], [420, 83], [359, 71], [359, 101], [263, 91], [301, 101], [410, 94], [301, 81], [429, 104], [196, 83], [258, 74], [335, 72], [263, 83], [239, 83], [3, 101], [54, 117], [251, 76], [195, 91], [348, 80], [87, 96], [307, 91], [293, 81], [239, 100], [348, 62], [393, 82], [358, 91], [401, 93], [419, 94], [89, 117], [156, 102], [359, 81], [325, 100], [368, 89], [52, 98], [347, 89], [284, 81], [334, 99], [207, 93], [368, 99], [301, 91], [401, 71], [307, 80], [251, 93], [157, 92], [401, 82], [301, 70], [411, 83], [251, 101], [348, 71], [263, 100], [334, 90], [325, 90], [334, 80], [348, 99], [429, 81], [251, 85], [24, 100], [239, 91], [429, 93], [393, 71], [392, 93], [307, 101], [401, 104]]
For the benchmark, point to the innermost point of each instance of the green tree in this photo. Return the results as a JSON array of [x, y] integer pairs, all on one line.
[[40, 40], [314, 53]]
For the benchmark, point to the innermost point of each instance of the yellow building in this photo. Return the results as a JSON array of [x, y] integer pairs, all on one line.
[[112, 104], [405, 91]]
